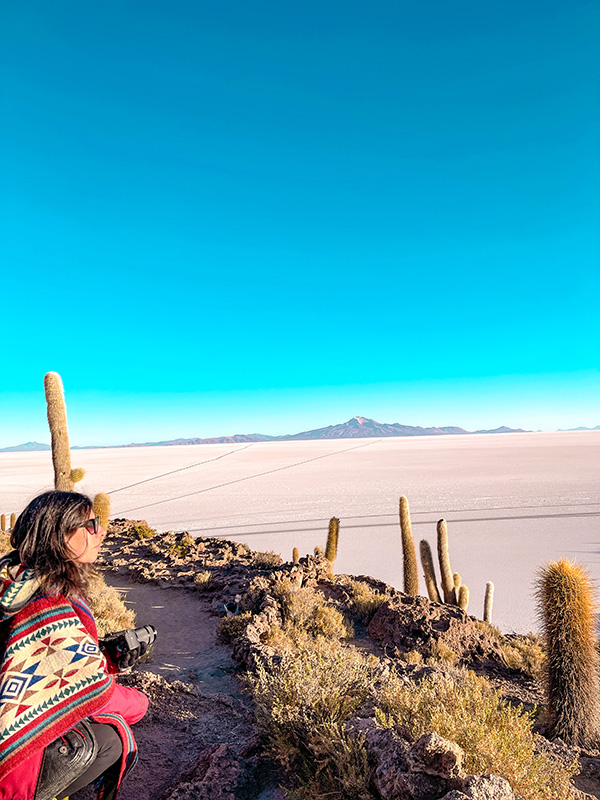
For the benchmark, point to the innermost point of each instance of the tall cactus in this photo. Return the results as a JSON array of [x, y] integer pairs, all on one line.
[[2, 522], [429, 571], [332, 539], [295, 556], [57, 420], [13, 519], [567, 610], [488, 602], [102, 508], [444, 559], [411, 575]]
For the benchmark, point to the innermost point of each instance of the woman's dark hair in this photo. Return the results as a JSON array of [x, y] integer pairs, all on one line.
[[40, 536]]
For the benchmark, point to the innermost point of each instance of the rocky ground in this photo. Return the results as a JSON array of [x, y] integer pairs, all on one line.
[[200, 738]]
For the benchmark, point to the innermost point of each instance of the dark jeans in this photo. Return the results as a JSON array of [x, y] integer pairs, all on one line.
[[109, 753]]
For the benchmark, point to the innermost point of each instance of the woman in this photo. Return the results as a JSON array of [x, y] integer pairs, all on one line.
[[53, 674]]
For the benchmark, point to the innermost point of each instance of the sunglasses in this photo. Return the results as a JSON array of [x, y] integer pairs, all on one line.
[[92, 526]]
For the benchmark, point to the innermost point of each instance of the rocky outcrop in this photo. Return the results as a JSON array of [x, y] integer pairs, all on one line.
[[405, 623]]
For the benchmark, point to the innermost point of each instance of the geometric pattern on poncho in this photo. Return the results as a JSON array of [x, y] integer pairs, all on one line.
[[52, 674]]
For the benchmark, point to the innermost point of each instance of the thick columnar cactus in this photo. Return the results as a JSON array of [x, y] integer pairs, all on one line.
[[2, 522], [59, 433], [409, 553], [488, 602], [429, 571], [444, 560], [567, 610], [102, 508], [13, 519], [332, 539], [295, 556], [463, 597]]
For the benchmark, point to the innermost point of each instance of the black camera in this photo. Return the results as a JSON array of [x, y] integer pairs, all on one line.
[[124, 648]]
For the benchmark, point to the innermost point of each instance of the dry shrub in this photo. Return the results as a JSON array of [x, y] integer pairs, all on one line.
[[525, 653], [266, 560], [202, 580], [301, 706], [365, 601], [496, 737], [412, 657], [231, 628], [304, 610], [110, 612], [182, 547], [440, 653], [140, 532], [4, 542]]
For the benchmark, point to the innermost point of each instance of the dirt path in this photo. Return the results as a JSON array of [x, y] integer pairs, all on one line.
[[198, 740]]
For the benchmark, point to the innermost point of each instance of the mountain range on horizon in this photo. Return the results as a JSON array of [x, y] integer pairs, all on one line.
[[355, 428]]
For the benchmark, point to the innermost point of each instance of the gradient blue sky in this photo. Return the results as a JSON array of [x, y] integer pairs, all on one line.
[[267, 217]]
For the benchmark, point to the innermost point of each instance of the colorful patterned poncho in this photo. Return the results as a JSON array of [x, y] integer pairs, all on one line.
[[52, 672]]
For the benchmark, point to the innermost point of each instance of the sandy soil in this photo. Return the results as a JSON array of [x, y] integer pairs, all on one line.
[[512, 501]]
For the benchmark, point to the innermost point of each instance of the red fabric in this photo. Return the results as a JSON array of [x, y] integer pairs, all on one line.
[[130, 703], [20, 782]]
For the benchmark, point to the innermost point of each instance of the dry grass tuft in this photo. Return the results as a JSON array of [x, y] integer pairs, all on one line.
[[110, 612], [496, 737], [140, 532], [203, 580], [266, 560], [301, 706], [5, 542], [231, 628], [305, 612], [525, 653], [365, 601]]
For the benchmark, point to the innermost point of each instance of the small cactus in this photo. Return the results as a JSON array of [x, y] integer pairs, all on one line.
[[411, 575], [2, 522], [102, 508], [444, 560], [59, 433], [429, 571], [13, 519], [318, 550], [77, 475], [295, 556], [488, 602], [567, 610], [457, 580], [332, 539], [463, 597]]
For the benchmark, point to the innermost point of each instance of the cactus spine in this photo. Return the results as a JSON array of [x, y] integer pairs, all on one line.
[[429, 571], [411, 575], [102, 508], [332, 539], [444, 559], [488, 602], [295, 556], [463, 597], [567, 610]]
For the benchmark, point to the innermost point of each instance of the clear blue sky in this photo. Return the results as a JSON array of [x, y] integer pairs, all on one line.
[[267, 217]]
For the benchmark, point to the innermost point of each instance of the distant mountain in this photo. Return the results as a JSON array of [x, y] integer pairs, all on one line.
[[581, 428], [28, 447], [355, 428], [235, 439], [363, 428]]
